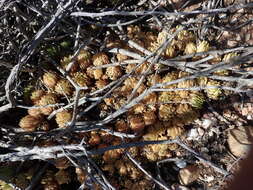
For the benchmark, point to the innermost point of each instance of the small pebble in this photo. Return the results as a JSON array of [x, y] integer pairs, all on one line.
[[232, 43], [193, 134], [181, 164], [239, 140], [249, 117], [188, 174], [179, 187], [207, 123], [207, 178], [201, 131]]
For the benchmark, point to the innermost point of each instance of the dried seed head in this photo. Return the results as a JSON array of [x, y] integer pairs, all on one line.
[[47, 99], [138, 108], [142, 68], [84, 59], [94, 139], [222, 72], [197, 100], [62, 118], [174, 131], [150, 100], [126, 168], [113, 72], [170, 77], [136, 123], [35, 112], [110, 101], [101, 84], [186, 84], [130, 83], [228, 56], [179, 45], [166, 97], [153, 79], [50, 79], [213, 93], [118, 104], [203, 46], [36, 95], [185, 35], [89, 72], [181, 109], [121, 126], [162, 37], [121, 57], [166, 111], [63, 87], [29, 123], [157, 152], [133, 29], [100, 59], [98, 73], [155, 131], [129, 68], [149, 118], [170, 52], [81, 79], [190, 48], [151, 37], [112, 155], [202, 81]]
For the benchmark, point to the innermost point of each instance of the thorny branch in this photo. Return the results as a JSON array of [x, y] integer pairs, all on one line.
[[23, 153]]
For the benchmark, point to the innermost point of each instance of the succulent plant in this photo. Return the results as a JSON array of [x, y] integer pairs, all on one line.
[[149, 118], [29, 123], [136, 123], [113, 73], [49, 79], [63, 87], [62, 118], [197, 100], [35, 112], [213, 93], [203, 46], [45, 100], [84, 59], [228, 56], [81, 79], [190, 48], [166, 112], [100, 59], [36, 95]]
